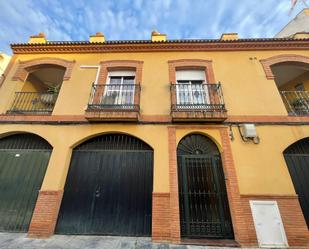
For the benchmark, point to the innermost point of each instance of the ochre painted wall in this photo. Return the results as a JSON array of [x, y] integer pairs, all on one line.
[[65, 137], [245, 87], [260, 168]]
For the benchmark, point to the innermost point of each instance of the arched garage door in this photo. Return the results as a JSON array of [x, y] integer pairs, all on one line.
[[297, 159], [23, 162], [109, 188]]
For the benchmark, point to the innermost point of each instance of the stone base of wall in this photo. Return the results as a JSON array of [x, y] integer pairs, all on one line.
[[48, 204], [291, 214], [290, 211], [45, 214]]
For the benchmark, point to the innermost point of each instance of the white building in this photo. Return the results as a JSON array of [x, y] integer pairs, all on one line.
[[300, 24]]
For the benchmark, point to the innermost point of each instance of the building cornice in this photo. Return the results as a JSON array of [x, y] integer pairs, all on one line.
[[171, 45]]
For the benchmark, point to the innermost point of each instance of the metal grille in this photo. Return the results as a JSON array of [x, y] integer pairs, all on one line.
[[204, 97], [24, 141], [114, 142], [109, 188], [296, 102], [204, 210], [23, 162], [300, 147], [197, 144], [114, 97], [33, 103], [297, 159]]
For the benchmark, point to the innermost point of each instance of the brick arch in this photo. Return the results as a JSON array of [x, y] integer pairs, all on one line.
[[111, 65], [206, 65], [205, 134], [83, 139], [26, 67], [293, 59]]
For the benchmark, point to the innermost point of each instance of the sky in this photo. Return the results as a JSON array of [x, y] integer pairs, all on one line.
[[135, 19]]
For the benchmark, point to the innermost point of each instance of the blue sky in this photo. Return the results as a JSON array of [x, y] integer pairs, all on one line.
[[135, 19]]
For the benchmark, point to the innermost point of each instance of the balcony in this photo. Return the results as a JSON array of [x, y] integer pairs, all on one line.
[[197, 102], [33, 103], [114, 102], [296, 102]]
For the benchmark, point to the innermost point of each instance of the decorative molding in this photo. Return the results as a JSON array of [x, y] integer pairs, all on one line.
[[206, 65], [26, 67], [110, 65], [267, 119], [193, 114], [155, 119], [283, 59], [136, 46]]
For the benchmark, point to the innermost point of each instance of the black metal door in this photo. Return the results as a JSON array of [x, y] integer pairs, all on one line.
[[109, 188], [297, 159], [23, 162], [204, 209]]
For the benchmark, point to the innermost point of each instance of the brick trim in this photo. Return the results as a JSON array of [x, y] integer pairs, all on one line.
[[173, 180], [155, 118], [206, 65], [282, 59], [238, 220], [113, 65], [45, 214], [267, 119], [292, 218], [183, 115], [244, 230], [6, 118], [161, 217], [138, 46], [26, 67]]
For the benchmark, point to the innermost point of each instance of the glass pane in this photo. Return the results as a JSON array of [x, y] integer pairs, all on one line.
[[114, 80], [197, 93], [183, 93], [128, 80]]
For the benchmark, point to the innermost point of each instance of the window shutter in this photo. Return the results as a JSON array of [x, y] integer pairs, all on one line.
[[121, 73], [190, 75]]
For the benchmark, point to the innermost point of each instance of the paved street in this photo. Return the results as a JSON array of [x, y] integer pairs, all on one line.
[[19, 240]]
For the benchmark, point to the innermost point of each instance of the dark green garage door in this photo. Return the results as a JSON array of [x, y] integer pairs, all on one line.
[[109, 188], [23, 162], [297, 159]]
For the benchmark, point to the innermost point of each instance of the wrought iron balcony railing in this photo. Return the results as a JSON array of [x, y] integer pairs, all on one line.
[[197, 97], [296, 102], [33, 103], [114, 97]]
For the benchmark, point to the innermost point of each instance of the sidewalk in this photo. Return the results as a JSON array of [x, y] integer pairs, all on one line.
[[19, 240]]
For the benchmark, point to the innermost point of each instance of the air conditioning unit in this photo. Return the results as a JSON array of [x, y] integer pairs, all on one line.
[[248, 132]]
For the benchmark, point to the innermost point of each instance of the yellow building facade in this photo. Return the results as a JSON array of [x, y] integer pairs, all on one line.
[[200, 131]]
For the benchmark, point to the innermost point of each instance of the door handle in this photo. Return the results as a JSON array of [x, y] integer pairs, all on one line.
[[98, 192]]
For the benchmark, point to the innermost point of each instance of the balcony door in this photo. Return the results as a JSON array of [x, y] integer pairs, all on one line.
[[119, 90], [190, 88]]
